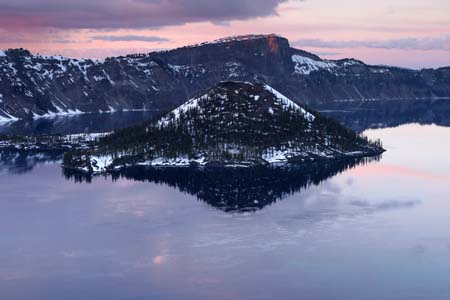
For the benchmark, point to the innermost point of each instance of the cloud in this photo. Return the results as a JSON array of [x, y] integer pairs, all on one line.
[[100, 14], [129, 38], [45, 37], [439, 43], [385, 206], [327, 53]]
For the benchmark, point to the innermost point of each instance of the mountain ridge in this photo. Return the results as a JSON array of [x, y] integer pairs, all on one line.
[[33, 86]]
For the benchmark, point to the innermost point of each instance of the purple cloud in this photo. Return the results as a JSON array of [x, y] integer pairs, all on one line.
[[98, 14], [439, 43], [129, 38]]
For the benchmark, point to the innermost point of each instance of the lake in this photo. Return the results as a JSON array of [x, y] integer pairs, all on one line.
[[83, 123], [366, 229]]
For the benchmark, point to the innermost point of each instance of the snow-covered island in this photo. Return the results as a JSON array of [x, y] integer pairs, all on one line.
[[233, 124]]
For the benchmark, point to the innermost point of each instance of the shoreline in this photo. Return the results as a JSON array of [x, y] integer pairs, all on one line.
[[223, 165]]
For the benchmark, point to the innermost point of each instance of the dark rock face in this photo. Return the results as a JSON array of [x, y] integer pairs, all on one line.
[[33, 85]]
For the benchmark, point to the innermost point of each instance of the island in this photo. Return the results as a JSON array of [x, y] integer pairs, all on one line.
[[233, 124]]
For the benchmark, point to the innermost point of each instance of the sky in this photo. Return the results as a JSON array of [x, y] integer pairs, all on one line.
[[406, 33]]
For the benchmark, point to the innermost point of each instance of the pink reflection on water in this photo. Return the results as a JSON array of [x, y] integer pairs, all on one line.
[[380, 170]]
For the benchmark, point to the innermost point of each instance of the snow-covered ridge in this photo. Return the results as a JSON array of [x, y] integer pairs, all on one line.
[[4, 53], [305, 66], [238, 38], [245, 38], [350, 62], [160, 79], [189, 105], [46, 68], [289, 104]]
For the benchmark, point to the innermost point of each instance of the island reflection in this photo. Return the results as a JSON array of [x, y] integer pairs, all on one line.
[[235, 190]]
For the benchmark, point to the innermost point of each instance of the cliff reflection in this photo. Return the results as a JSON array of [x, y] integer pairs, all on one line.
[[362, 115]]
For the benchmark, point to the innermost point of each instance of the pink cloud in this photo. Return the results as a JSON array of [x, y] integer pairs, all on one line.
[[385, 34]]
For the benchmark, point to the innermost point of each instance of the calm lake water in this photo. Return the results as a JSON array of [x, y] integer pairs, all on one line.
[[349, 230], [85, 123]]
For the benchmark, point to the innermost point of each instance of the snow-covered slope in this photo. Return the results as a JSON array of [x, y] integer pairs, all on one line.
[[305, 65], [196, 104]]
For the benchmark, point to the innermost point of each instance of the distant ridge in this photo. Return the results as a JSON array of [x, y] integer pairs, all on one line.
[[36, 86]]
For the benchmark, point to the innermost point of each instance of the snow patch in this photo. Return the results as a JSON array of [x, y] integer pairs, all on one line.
[[289, 104], [60, 113], [7, 118], [101, 163], [175, 162], [278, 156], [351, 62], [305, 65], [181, 161]]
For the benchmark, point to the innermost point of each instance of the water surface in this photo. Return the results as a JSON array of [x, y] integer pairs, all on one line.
[[84, 123], [350, 230]]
